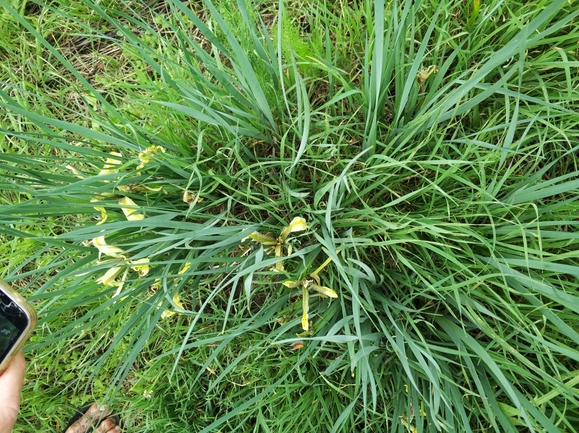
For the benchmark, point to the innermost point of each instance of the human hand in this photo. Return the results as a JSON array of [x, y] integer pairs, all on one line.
[[10, 386]]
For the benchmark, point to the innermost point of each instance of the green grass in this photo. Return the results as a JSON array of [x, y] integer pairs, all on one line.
[[430, 146]]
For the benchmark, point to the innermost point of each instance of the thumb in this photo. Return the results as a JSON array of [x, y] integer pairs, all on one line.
[[10, 386]]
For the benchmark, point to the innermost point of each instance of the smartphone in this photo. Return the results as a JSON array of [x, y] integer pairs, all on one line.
[[17, 320]]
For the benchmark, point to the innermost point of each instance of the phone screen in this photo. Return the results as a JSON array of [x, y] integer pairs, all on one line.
[[13, 322]]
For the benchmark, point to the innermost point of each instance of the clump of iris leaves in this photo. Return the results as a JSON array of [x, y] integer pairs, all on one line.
[[427, 152]]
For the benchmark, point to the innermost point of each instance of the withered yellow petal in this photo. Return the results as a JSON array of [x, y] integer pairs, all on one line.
[[141, 266], [146, 155], [110, 163], [108, 279], [120, 288], [297, 345], [326, 291], [106, 249], [155, 189], [315, 278], [185, 268], [178, 303], [103, 212], [191, 198], [292, 284], [298, 224], [132, 211], [75, 172], [306, 308], [423, 74], [278, 250]]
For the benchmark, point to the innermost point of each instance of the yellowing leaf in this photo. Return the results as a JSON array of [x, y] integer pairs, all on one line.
[[106, 249], [314, 274], [132, 212], [261, 238], [292, 284], [326, 291], [155, 189]]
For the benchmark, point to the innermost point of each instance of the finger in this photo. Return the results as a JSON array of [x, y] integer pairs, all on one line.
[[11, 382]]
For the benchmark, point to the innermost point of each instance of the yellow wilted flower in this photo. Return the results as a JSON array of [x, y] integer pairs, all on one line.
[[298, 224], [178, 303], [108, 279], [132, 212], [314, 283], [190, 198], [141, 266], [276, 245], [130, 209], [325, 291], [424, 74], [146, 155], [185, 268], [75, 172], [108, 167], [106, 249], [111, 162], [103, 212]]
